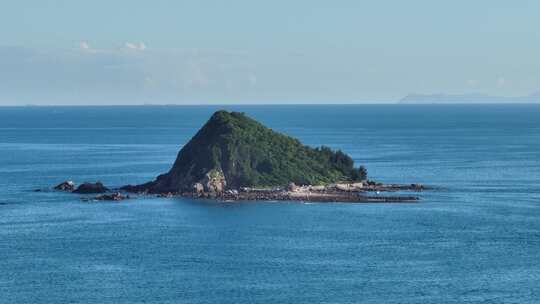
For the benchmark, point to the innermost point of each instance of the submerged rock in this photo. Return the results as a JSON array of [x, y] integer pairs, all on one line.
[[112, 197], [65, 186], [89, 188]]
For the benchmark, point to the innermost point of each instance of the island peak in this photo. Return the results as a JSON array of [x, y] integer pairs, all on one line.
[[232, 151]]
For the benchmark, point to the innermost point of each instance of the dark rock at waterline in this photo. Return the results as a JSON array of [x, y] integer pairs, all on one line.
[[89, 188], [417, 187], [65, 186], [134, 189], [112, 197]]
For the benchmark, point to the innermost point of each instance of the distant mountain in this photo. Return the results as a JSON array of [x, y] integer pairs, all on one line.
[[232, 151], [467, 98]]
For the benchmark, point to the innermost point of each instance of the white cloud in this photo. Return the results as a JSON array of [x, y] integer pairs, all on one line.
[[135, 46], [84, 45], [501, 81]]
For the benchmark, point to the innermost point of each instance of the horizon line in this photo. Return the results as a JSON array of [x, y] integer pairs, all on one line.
[[267, 104]]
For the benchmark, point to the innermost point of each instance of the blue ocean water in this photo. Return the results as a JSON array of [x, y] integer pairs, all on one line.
[[476, 240]]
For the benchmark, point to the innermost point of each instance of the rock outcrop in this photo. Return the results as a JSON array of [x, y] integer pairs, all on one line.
[[65, 186], [91, 188], [214, 181]]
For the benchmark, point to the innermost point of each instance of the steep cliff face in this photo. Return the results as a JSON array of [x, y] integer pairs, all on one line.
[[232, 150]]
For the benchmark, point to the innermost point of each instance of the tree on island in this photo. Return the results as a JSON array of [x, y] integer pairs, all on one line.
[[360, 174]]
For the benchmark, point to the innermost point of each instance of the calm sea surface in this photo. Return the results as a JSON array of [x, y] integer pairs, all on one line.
[[475, 241]]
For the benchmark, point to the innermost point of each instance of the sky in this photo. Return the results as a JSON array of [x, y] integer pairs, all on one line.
[[259, 52]]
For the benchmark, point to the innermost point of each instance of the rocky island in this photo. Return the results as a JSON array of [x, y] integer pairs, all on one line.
[[233, 157]]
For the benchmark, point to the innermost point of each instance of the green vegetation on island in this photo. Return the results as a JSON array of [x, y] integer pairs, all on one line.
[[232, 151]]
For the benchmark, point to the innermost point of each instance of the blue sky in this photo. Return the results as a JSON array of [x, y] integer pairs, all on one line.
[[133, 52]]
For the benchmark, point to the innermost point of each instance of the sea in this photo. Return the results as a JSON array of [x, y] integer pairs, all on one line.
[[475, 238]]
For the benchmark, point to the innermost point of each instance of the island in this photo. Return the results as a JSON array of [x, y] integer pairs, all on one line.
[[234, 157]]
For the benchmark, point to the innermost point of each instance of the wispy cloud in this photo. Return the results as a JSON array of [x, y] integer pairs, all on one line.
[[84, 45], [135, 46], [131, 73]]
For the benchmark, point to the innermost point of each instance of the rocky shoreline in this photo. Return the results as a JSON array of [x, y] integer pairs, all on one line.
[[232, 154], [303, 197], [343, 193], [346, 193]]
